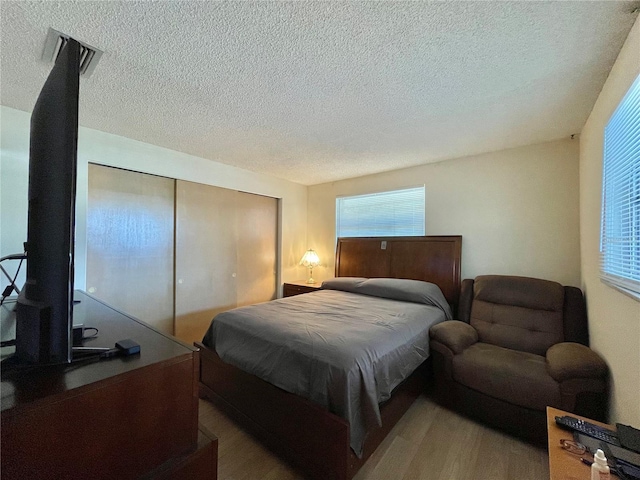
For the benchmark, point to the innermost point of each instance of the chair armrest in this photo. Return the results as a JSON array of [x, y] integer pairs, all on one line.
[[570, 360], [454, 334]]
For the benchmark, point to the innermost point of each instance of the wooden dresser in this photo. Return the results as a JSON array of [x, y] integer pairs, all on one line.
[[124, 417]]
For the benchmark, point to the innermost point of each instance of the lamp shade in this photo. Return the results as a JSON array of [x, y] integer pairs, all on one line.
[[310, 259]]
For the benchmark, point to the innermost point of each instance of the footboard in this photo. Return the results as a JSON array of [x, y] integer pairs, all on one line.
[[310, 437]]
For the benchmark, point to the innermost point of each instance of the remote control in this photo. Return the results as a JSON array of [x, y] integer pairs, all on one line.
[[588, 429]]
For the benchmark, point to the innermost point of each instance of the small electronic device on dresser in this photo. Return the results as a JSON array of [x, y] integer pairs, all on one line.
[[621, 446]]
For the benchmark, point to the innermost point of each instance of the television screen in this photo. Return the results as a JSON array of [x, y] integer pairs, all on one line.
[[45, 305]]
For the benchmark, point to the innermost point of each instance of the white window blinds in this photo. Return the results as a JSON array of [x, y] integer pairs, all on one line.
[[620, 227], [388, 214]]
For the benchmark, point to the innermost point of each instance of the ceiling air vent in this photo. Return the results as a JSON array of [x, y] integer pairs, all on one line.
[[89, 55]]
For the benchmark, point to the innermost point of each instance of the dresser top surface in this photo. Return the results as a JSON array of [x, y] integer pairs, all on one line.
[[23, 385]]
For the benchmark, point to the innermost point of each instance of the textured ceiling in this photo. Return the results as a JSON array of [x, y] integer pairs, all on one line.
[[319, 91]]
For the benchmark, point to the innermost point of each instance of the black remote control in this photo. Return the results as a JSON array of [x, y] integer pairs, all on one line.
[[604, 434]]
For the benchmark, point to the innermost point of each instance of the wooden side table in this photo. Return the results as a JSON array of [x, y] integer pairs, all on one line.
[[296, 288], [562, 464]]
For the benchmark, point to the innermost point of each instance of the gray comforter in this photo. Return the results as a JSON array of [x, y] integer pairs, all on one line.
[[343, 350]]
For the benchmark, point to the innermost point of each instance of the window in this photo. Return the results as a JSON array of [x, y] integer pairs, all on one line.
[[387, 214], [620, 227]]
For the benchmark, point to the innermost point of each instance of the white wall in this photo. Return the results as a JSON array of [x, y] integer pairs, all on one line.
[[614, 318], [106, 149], [517, 210]]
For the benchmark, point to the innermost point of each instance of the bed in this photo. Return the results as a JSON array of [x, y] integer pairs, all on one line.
[[282, 406]]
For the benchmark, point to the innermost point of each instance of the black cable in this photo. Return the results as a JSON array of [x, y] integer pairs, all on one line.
[[11, 343], [84, 358]]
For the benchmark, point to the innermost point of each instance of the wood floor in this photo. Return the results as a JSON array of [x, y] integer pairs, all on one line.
[[430, 443]]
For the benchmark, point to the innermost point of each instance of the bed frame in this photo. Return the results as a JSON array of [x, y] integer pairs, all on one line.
[[304, 433]]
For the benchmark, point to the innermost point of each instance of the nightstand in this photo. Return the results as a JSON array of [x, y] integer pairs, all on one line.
[[296, 288]]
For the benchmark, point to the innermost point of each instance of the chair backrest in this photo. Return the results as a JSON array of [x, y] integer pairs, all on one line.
[[519, 313]]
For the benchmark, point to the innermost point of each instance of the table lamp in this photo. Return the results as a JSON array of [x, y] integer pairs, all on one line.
[[310, 259]]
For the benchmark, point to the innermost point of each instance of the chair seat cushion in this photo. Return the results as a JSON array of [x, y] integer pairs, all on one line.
[[517, 377]]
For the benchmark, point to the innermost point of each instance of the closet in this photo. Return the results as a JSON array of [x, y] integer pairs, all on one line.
[[219, 248], [225, 253], [130, 224]]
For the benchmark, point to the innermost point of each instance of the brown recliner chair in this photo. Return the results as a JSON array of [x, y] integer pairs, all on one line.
[[519, 345]]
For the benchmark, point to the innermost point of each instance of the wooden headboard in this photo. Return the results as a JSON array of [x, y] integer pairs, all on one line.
[[434, 259]]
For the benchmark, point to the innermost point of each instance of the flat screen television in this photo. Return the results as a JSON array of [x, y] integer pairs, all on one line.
[[44, 313]]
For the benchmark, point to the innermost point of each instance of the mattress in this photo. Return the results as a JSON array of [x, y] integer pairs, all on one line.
[[344, 347]]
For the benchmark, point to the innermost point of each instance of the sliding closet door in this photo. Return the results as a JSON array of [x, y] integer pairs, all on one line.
[[226, 246], [205, 256], [257, 229], [130, 225]]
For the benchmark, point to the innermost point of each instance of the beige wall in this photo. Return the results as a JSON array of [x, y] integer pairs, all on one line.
[[614, 318], [517, 210], [112, 150]]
